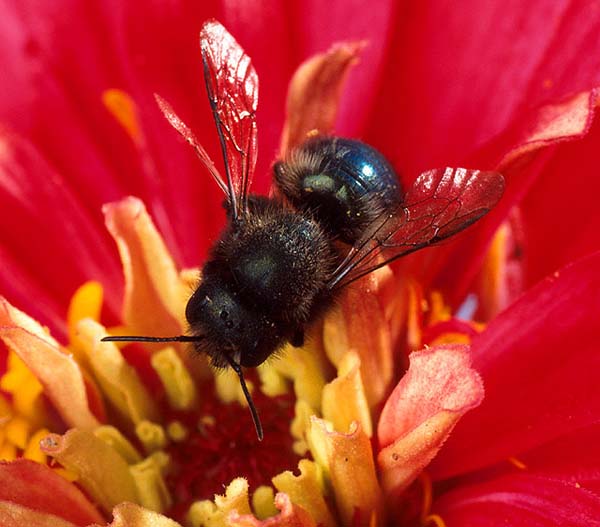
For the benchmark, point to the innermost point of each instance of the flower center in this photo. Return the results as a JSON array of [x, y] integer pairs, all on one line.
[[221, 444]]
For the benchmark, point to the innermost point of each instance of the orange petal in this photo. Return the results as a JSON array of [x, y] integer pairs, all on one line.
[[155, 296], [438, 388], [101, 470], [360, 324], [58, 372], [132, 515], [23, 482], [347, 460], [291, 515], [13, 515], [314, 93]]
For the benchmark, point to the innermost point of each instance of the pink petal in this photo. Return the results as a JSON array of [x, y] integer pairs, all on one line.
[[539, 363], [438, 388], [519, 499], [290, 515], [39, 488]]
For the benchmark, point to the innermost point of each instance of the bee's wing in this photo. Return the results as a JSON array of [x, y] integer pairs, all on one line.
[[232, 87], [440, 203]]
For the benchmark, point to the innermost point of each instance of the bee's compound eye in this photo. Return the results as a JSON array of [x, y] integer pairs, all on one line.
[[224, 315]]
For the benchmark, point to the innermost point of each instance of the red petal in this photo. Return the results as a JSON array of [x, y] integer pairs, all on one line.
[[38, 487], [458, 75], [53, 245], [519, 499], [539, 363]]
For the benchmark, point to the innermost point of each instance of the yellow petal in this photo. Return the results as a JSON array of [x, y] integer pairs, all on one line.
[[119, 381], [307, 490], [344, 398], [347, 460], [208, 514], [305, 368], [85, 303], [58, 373], [101, 470]]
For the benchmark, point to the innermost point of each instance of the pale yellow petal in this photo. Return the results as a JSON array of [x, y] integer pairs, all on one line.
[[57, 371], [132, 515], [344, 398], [208, 514], [347, 460], [101, 470], [307, 490], [119, 381]]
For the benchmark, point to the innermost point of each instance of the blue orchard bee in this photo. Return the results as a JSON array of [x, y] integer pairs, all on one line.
[[339, 214]]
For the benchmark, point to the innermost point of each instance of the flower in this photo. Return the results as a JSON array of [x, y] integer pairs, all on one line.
[[524, 449]]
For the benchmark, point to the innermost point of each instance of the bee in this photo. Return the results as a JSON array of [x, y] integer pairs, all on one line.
[[338, 214]]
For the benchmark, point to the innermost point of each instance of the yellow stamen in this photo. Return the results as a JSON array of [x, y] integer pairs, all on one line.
[[414, 316], [177, 431], [151, 435], [33, 450], [451, 338], [438, 311], [263, 502], [124, 110], [426, 483], [85, 303], [177, 381], [434, 519], [151, 488], [517, 463]]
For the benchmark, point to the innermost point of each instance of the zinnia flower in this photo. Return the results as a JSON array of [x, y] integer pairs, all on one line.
[[458, 388]]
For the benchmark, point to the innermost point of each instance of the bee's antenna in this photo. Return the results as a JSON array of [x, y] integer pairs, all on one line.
[[257, 424], [133, 338]]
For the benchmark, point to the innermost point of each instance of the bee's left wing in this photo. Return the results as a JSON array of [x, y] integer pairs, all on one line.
[[440, 203], [232, 87]]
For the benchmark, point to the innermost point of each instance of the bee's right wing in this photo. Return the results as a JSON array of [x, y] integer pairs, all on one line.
[[232, 87], [440, 203]]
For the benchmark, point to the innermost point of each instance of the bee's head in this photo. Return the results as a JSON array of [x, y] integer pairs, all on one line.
[[232, 331]]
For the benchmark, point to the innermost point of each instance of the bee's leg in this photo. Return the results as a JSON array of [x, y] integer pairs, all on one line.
[[298, 338]]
